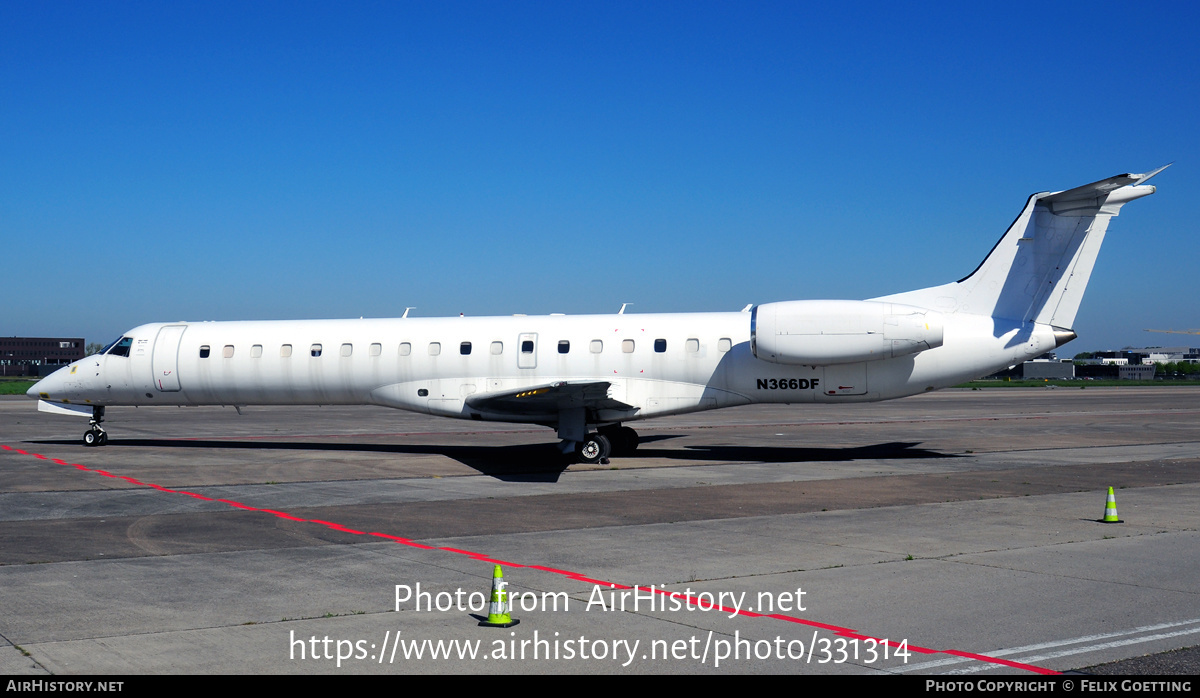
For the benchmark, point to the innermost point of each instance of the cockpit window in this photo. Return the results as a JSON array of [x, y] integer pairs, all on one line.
[[118, 348]]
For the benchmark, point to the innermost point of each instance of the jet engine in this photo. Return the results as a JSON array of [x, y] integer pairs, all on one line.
[[821, 333]]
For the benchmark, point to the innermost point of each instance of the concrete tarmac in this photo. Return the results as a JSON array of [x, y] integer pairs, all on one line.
[[960, 525]]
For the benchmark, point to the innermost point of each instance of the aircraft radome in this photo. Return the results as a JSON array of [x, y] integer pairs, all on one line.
[[588, 375]]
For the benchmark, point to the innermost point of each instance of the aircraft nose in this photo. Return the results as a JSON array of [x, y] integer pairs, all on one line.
[[50, 385]]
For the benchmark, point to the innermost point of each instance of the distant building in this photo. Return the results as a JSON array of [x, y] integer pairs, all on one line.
[[1163, 355], [1148, 355], [1119, 372], [1137, 373], [1060, 370], [33, 356]]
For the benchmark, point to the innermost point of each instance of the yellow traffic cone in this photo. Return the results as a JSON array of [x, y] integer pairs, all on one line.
[[1110, 509], [500, 614]]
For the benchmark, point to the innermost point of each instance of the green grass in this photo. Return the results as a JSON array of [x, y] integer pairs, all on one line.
[[15, 386]]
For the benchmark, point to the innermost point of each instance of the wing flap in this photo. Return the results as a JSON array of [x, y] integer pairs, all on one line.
[[550, 398]]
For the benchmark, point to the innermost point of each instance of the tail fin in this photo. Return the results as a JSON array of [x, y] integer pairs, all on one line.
[[1039, 270]]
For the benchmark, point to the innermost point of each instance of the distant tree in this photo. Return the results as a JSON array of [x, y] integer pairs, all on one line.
[[1177, 367], [93, 348], [1084, 355]]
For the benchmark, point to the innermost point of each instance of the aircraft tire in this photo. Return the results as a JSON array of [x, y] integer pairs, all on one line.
[[91, 438], [103, 439], [593, 449]]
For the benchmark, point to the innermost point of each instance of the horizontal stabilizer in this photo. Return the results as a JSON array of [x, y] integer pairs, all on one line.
[[1102, 188]]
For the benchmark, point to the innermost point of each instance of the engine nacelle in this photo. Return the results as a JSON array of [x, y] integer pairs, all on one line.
[[821, 333]]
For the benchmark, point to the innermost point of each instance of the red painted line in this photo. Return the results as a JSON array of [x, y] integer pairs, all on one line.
[[282, 515], [404, 541], [813, 623], [377, 534], [346, 530], [835, 629]]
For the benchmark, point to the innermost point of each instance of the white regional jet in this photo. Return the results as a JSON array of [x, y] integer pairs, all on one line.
[[587, 375]]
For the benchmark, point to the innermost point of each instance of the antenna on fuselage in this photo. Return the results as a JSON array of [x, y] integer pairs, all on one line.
[[622, 310], [412, 307]]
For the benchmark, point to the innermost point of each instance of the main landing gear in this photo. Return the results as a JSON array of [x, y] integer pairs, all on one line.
[[614, 440], [95, 435]]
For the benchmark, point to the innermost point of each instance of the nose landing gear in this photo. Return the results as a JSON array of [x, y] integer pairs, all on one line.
[[95, 435]]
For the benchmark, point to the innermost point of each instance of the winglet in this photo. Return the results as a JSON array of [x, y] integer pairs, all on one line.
[[1148, 175]]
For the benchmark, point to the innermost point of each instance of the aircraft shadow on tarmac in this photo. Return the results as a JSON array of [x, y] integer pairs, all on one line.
[[905, 450], [544, 462]]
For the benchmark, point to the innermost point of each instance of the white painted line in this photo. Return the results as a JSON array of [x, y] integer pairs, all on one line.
[[1060, 643]]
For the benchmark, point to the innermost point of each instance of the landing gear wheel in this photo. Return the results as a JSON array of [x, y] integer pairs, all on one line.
[[593, 449], [95, 435]]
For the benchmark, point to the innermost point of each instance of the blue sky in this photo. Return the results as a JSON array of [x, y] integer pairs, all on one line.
[[219, 161]]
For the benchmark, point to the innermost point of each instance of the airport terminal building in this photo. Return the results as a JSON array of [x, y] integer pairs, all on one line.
[[38, 356]]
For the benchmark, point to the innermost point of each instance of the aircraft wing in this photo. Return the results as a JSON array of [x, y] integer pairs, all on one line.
[[550, 398]]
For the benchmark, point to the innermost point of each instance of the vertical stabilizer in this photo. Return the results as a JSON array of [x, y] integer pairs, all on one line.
[[1040, 268]]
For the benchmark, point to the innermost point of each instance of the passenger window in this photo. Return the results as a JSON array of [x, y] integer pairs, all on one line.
[[315, 350], [564, 346], [256, 351], [285, 351], [204, 351], [724, 344], [464, 349], [347, 349], [497, 348], [692, 346], [227, 352], [405, 348], [596, 346], [376, 349], [435, 348], [660, 345], [527, 346], [627, 346]]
